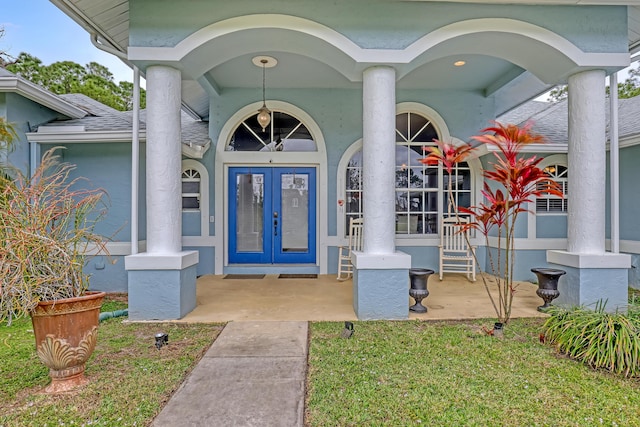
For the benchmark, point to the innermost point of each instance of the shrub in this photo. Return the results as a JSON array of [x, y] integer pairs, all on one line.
[[46, 233], [599, 339]]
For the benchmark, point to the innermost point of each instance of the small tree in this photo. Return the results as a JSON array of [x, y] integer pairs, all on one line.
[[518, 180]]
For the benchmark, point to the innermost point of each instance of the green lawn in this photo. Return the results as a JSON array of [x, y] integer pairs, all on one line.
[[130, 379], [451, 374], [387, 374]]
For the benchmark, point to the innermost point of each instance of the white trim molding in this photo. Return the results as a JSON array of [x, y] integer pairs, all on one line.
[[331, 47], [195, 151], [604, 260], [225, 159], [475, 166], [41, 96], [627, 246], [65, 136], [174, 261], [204, 193], [526, 244]]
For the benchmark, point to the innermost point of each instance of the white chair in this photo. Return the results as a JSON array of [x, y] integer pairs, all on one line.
[[456, 256], [345, 268]]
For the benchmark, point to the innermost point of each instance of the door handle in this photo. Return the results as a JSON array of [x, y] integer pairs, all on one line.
[[275, 223]]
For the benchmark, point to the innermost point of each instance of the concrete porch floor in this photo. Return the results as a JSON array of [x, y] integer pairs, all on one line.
[[325, 298]]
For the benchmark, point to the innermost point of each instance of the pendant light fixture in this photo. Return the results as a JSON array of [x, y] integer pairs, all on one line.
[[264, 114]]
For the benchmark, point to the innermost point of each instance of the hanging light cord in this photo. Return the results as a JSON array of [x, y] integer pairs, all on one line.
[[264, 63]]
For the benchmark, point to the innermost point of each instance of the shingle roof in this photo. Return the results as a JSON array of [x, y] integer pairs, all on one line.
[[99, 117], [104, 118], [628, 117], [90, 105], [552, 119]]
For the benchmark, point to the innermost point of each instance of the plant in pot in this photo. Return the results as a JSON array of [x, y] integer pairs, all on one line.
[[511, 182], [47, 224]]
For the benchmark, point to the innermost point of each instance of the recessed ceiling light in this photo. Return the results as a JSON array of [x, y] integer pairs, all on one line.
[[459, 63]]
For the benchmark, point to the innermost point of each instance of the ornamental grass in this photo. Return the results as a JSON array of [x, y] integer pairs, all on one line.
[[601, 340], [46, 229]]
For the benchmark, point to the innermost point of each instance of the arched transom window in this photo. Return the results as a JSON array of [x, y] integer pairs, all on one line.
[[421, 196], [550, 203], [284, 133], [190, 189]]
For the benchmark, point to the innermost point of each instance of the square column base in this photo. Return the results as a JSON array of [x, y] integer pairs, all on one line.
[[591, 279], [161, 287], [381, 286]]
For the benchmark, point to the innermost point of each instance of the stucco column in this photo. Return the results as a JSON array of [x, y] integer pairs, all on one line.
[[164, 215], [378, 164], [593, 275], [587, 163], [162, 280], [380, 274]]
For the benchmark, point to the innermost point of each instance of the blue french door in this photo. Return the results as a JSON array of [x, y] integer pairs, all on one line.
[[272, 215]]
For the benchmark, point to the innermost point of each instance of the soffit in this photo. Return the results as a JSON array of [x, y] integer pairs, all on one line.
[[109, 19]]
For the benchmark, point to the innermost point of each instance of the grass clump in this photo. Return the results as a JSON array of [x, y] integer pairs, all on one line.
[[601, 340]]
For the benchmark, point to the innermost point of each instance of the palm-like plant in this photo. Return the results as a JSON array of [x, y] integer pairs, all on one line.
[[519, 180]]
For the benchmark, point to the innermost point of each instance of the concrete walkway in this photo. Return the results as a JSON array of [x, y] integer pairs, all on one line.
[[253, 375]]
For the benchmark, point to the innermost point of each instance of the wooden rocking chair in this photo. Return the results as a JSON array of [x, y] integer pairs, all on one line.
[[456, 256], [345, 268]]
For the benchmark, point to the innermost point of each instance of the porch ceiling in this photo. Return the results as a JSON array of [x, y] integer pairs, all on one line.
[[109, 20], [296, 71]]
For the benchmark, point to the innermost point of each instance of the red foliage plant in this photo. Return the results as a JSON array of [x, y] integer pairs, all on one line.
[[519, 180]]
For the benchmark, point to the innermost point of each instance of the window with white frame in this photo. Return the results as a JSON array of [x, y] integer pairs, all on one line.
[[421, 190], [284, 133], [191, 181], [550, 203]]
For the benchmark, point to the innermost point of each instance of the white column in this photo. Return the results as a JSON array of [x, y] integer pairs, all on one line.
[[135, 161], [378, 163], [614, 163], [587, 163], [164, 216]]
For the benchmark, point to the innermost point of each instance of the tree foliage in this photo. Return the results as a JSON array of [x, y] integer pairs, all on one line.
[[5, 58], [93, 80], [627, 89]]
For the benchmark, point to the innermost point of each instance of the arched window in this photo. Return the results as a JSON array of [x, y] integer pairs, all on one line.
[[550, 203], [191, 190], [421, 190], [284, 133]]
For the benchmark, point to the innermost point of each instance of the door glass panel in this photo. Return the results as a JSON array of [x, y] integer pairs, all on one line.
[[249, 212], [295, 212]]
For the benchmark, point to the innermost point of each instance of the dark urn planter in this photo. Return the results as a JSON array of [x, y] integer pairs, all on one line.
[[418, 278], [547, 285]]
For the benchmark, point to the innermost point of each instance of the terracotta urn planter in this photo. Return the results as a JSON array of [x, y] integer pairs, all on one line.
[[66, 331]]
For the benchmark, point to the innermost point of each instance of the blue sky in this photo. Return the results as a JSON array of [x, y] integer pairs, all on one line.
[[41, 29]]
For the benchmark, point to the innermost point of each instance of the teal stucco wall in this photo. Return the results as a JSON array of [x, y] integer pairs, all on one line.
[[396, 24]]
